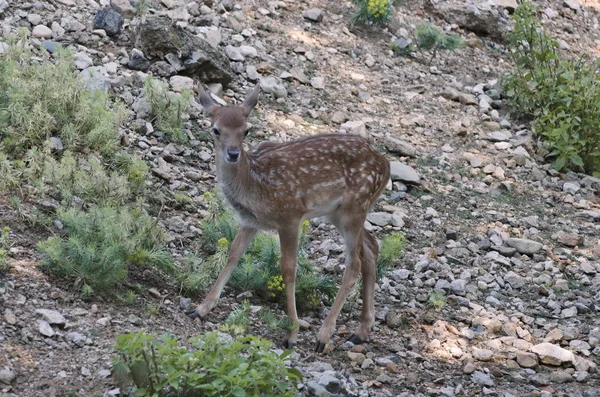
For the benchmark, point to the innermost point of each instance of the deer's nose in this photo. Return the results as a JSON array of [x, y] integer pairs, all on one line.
[[233, 154]]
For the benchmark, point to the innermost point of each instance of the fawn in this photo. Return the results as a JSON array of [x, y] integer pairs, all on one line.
[[279, 185]]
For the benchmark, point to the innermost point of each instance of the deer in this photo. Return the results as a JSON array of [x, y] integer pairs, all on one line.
[[279, 185]]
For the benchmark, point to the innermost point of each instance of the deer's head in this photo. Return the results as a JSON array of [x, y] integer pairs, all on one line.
[[229, 126]]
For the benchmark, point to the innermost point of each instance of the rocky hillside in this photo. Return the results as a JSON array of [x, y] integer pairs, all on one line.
[[498, 290]]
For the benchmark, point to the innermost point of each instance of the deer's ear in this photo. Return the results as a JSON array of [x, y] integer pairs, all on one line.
[[251, 100], [206, 101]]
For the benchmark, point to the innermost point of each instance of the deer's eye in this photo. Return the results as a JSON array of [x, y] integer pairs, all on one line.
[[216, 131], [246, 131]]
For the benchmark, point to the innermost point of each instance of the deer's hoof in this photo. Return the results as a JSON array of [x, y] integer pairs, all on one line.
[[288, 345], [355, 339], [320, 347], [193, 314]]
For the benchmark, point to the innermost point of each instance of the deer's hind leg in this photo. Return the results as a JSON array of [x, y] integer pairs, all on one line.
[[369, 253], [350, 223]]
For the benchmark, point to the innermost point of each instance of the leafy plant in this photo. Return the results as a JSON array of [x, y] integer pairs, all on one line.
[[4, 246], [429, 37], [436, 300], [215, 365], [168, 108], [101, 245], [560, 95], [391, 248], [238, 320], [43, 99], [377, 12]]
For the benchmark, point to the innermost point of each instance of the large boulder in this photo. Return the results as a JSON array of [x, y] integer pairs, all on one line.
[[160, 39], [481, 17]]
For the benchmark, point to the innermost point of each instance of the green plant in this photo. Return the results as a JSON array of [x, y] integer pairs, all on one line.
[[391, 248], [101, 245], [43, 99], [560, 95], [238, 320], [168, 108], [4, 246], [377, 12], [436, 300], [198, 274], [429, 37], [214, 365]]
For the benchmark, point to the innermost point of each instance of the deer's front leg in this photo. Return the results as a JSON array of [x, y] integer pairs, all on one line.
[[288, 238], [238, 247]]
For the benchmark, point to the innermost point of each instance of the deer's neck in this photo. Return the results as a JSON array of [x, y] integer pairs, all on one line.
[[234, 178]]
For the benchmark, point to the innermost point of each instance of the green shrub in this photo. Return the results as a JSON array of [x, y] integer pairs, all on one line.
[[561, 95], [377, 12], [101, 245], [391, 248], [44, 99], [4, 246], [428, 37], [168, 109], [238, 321], [215, 365]]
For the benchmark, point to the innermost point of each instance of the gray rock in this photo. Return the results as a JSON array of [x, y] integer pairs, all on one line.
[[95, 78], [159, 38], [481, 20], [339, 117], [499, 136], [109, 20], [524, 246], [56, 144], [393, 319], [330, 382], [34, 19], [527, 360], [318, 83], [83, 60], [482, 354], [561, 377], [272, 85], [458, 287], [248, 51], [404, 173], [514, 280], [76, 338], [313, 14], [317, 390], [379, 218], [123, 7], [234, 53], [51, 316], [553, 354], [455, 95], [51, 46], [399, 147], [42, 32], [138, 61], [571, 187], [356, 127], [572, 4], [176, 224], [7, 376], [482, 379], [45, 329]]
